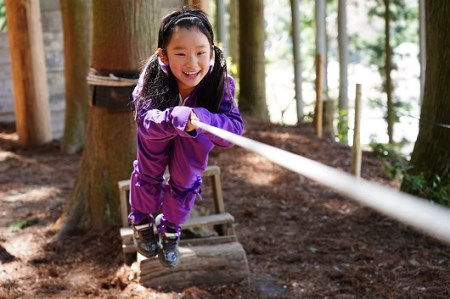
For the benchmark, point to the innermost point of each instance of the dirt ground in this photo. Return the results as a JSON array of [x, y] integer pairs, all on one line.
[[302, 240]]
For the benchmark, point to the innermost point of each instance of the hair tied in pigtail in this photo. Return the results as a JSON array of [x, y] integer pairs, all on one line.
[[212, 60]]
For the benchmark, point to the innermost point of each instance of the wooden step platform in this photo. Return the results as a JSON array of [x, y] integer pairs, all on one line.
[[216, 259], [126, 233]]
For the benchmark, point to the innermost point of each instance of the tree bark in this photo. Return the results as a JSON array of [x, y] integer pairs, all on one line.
[[123, 38], [76, 19], [221, 26], [431, 154], [252, 97], [234, 34], [28, 72], [422, 47], [202, 4], [296, 45], [321, 43], [343, 65], [387, 71]]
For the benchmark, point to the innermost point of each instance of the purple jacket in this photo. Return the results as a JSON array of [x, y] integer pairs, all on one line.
[[174, 119]]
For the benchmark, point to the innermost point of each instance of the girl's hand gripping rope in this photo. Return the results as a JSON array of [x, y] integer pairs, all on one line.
[[191, 127]]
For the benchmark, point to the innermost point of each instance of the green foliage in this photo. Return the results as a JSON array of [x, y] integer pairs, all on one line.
[[342, 126], [393, 163], [430, 186], [2, 15], [21, 224]]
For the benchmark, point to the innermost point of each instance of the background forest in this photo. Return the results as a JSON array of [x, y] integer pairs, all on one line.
[[59, 196]]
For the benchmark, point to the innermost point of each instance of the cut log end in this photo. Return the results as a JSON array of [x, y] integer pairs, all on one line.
[[199, 266]]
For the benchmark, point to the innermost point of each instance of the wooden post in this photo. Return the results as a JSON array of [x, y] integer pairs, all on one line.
[[318, 116], [28, 72], [356, 148]]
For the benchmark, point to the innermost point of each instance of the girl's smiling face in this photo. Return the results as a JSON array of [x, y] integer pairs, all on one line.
[[188, 55]]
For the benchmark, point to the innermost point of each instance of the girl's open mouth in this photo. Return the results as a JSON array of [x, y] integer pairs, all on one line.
[[191, 74]]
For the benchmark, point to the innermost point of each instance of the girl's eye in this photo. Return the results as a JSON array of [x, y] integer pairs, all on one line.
[[179, 54], [201, 53]]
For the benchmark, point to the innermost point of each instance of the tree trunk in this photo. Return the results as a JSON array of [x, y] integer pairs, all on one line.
[[252, 97], [431, 154], [76, 19], [387, 69], [343, 64], [234, 34], [202, 4], [296, 41], [321, 43], [422, 47], [221, 26], [124, 36], [28, 72]]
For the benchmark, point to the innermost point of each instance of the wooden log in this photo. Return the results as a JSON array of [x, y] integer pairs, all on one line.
[[28, 72], [198, 266]]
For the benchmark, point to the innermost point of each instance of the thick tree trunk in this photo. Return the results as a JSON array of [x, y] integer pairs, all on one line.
[[252, 97], [124, 37], [431, 155], [76, 17], [28, 72]]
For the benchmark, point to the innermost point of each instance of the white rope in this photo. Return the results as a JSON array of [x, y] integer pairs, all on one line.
[[111, 80], [420, 213]]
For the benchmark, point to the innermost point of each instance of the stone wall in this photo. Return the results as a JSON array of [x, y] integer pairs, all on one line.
[[54, 60]]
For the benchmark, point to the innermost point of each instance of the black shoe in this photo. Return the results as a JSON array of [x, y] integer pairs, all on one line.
[[168, 253], [169, 236], [145, 239]]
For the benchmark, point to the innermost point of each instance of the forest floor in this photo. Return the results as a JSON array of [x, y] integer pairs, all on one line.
[[302, 240]]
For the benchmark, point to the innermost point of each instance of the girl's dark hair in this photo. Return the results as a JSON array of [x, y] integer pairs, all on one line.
[[160, 90]]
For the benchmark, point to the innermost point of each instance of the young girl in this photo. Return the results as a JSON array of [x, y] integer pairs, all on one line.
[[185, 79]]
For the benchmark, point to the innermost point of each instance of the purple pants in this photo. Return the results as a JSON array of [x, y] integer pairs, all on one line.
[[162, 145]]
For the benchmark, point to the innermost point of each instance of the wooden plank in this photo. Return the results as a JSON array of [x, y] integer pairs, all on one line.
[[131, 248], [200, 266], [126, 233]]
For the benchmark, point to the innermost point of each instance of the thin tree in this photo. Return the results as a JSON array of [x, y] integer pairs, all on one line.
[[124, 36], [221, 10], [252, 97], [76, 19], [234, 33], [343, 74], [387, 71], [429, 175], [321, 42], [296, 46]]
